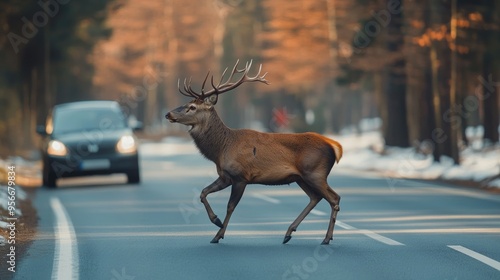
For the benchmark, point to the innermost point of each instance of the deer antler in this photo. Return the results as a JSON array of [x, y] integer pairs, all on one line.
[[222, 87]]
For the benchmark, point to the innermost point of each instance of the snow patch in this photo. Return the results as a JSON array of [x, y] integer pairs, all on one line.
[[495, 183], [3, 225], [168, 147], [366, 152]]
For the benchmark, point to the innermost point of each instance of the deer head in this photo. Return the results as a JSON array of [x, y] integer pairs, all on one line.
[[198, 110]]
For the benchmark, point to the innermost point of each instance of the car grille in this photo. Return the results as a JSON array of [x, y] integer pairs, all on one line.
[[87, 149]]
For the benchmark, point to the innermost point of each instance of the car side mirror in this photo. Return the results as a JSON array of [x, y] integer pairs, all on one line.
[[138, 126], [40, 129]]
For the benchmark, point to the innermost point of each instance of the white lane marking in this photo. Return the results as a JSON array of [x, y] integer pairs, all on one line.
[[438, 188], [265, 198], [357, 173], [318, 212], [66, 252], [276, 201], [371, 234], [344, 225], [381, 238], [482, 258]]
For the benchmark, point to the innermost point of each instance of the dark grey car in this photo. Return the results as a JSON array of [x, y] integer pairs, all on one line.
[[88, 138]]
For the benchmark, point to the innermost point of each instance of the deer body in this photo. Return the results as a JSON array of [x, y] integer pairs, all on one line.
[[262, 158], [245, 156]]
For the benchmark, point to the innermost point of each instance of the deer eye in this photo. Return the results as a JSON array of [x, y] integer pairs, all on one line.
[[191, 108]]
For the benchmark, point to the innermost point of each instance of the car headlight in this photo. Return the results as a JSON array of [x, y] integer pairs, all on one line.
[[126, 145], [57, 148]]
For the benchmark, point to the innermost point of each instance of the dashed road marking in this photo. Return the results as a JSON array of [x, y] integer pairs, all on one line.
[[265, 198], [482, 258], [318, 212], [344, 225], [371, 234], [381, 238], [66, 251]]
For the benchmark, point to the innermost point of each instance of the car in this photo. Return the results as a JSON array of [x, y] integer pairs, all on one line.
[[88, 138]]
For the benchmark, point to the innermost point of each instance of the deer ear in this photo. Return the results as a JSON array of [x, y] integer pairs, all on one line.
[[211, 100]]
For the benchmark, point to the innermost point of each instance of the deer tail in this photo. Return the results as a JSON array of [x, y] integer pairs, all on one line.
[[337, 148]]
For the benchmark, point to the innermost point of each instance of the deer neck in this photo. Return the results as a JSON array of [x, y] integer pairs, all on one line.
[[211, 136]]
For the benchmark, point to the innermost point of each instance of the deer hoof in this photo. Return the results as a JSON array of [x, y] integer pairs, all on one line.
[[326, 242], [217, 222], [287, 238], [215, 240]]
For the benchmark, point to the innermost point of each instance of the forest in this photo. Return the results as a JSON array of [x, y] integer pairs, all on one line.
[[427, 69]]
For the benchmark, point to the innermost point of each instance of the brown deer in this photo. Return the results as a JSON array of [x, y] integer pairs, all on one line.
[[245, 156]]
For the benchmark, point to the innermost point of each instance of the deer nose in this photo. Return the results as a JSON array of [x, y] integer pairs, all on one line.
[[171, 118]]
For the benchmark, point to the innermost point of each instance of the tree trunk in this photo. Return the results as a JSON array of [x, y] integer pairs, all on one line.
[[420, 112], [490, 102], [396, 133], [171, 96], [331, 94], [454, 122], [441, 75], [378, 87], [489, 69]]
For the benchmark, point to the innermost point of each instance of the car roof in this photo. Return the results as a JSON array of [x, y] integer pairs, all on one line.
[[88, 105]]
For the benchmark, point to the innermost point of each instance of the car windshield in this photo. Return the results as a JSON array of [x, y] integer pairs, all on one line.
[[71, 120]]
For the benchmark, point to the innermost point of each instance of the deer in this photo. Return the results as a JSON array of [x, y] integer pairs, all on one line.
[[244, 156]]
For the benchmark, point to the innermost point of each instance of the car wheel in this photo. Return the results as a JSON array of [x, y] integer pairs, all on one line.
[[134, 177], [49, 177]]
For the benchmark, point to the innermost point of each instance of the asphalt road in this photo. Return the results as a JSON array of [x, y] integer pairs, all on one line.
[[387, 229]]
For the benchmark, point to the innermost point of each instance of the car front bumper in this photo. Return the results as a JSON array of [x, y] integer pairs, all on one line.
[[96, 165]]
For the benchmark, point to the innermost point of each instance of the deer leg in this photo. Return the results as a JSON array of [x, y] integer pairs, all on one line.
[[314, 199], [236, 194], [216, 186], [334, 199], [321, 187]]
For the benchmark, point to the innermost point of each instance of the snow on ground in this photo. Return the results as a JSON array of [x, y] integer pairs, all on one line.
[[366, 152], [19, 196], [169, 146]]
